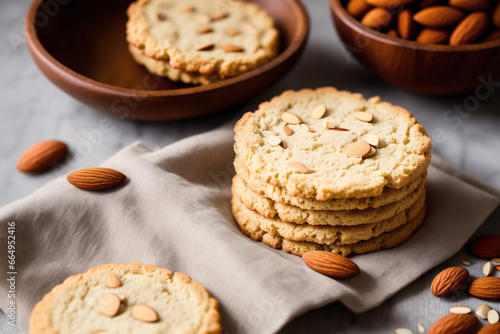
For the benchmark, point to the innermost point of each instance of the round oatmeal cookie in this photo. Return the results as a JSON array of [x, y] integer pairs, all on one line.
[[386, 240], [293, 214], [223, 37], [126, 298], [163, 69], [326, 144], [329, 235]]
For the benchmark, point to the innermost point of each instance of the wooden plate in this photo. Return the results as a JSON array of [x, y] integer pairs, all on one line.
[[80, 46]]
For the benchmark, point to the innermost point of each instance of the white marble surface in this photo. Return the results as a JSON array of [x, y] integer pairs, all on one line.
[[33, 109]]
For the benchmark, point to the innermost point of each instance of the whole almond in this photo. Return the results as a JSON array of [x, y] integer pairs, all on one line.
[[358, 8], [492, 36], [406, 25], [470, 5], [433, 36], [390, 3], [485, 288], [41, 156], [455, 323], [97, 178], [496, 15], [144, 313], [490, 329], [377, 18], [330, 264], [487, 246], [449, 281], [439, 16], [470, 29]]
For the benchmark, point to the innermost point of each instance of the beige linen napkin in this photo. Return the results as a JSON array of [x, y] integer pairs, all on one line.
[[174, 212]]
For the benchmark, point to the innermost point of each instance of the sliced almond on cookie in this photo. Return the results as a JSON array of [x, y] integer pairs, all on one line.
[[231, 31], [205, 47], [306, 127], [112, 281], [274, 140], [215, 16], [357, 149], [291, 118], [232, 48], [296, 165], [205, 30], [144, 313], [188, 9], [371, 140], [109, 304], [318, 112], [328, 125], [287, 130], [363, 116]]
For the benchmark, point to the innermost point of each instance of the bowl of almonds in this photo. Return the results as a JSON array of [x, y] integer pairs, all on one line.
[[438, 47]]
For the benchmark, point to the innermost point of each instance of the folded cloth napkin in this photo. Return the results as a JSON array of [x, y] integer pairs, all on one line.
[[174, 212]]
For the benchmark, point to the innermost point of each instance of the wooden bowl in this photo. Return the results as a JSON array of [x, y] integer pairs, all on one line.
[[422, 68], [80, 46]]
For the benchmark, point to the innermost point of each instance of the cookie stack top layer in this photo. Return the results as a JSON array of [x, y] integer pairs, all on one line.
[[225, 37], [326, 144], [126, 298]]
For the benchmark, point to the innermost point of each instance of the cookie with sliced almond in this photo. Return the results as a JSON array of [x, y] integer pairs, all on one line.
[[352, 147], [111, 297], [186, 39]]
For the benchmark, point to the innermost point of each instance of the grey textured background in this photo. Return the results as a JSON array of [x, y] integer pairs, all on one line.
[[33, 109]]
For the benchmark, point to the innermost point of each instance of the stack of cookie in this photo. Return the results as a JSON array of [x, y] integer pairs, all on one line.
[[200, 42], [329, 170]]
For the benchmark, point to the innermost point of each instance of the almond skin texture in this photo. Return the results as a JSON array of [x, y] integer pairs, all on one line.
[[470, 5], [439, 16], [331, 264], [449, 281], [455, 324], [470, 29], [406, 26], [390, 3], [485, 288], [490, 329], [377, 18], [358, 8], [487, 246], [41, 156], [496, 15], [97, 178], [433, 36]]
